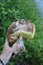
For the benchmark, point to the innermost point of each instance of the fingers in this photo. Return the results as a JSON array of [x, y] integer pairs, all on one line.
[[19, 51]]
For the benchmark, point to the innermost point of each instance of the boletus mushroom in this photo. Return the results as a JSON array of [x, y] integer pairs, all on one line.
[[20, 27]]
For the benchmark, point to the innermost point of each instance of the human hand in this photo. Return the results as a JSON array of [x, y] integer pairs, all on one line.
[[17, 48]]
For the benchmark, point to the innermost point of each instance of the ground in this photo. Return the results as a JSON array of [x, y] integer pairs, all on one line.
[[10, 11]]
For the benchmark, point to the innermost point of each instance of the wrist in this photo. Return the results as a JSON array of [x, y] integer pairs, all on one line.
[[1, 62], [6, 56]]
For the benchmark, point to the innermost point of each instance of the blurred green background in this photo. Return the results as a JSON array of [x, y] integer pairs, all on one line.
[[12, 10]]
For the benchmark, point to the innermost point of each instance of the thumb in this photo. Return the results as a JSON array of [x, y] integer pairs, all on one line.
[[6, 43]]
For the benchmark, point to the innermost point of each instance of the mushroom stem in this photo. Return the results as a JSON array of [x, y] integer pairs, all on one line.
[[21, 42]]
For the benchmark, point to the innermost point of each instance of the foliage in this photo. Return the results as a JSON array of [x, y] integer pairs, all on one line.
[[12, 10]]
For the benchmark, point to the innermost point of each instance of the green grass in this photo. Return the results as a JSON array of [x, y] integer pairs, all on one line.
[[23, 9]]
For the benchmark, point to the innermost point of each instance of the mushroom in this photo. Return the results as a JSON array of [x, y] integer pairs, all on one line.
[[20, 27]]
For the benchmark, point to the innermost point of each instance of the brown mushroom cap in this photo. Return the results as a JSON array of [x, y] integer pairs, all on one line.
[[19, 25]]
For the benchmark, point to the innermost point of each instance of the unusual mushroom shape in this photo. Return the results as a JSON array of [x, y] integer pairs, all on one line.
[[20, 27]]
